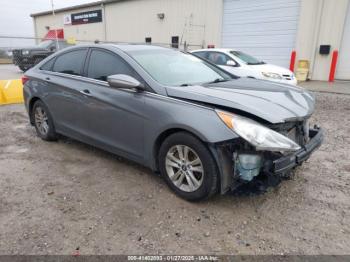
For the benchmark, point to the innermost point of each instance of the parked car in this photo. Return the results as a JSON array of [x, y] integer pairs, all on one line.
[[203, 129], [27, 57], [244, 65]]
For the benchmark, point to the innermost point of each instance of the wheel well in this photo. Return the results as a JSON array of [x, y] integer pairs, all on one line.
[[169, 132], [30, 108]]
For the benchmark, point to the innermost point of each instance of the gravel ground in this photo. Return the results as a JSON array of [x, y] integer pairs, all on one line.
[[61, 196]]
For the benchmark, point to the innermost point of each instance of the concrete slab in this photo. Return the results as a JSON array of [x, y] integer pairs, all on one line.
[[337, 87]]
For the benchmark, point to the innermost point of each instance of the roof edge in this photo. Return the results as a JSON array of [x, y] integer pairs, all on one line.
[[96, 3]]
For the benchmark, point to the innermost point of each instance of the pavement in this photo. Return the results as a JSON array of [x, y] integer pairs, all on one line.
[[66, 197], [336, 87], [10, 71]]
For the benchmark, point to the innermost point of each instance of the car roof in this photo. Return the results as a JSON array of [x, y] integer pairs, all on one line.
[[125, 47], [215, 49]]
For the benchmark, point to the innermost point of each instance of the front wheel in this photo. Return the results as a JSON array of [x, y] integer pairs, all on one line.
[[188, 167]]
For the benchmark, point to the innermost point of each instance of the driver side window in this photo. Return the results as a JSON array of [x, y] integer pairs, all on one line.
[[219, 58]]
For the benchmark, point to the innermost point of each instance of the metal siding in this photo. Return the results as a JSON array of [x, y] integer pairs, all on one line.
[[265, 29], [343, 70]]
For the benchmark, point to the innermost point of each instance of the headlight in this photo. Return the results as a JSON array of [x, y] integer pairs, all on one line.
[[272, 75], [261, 137], [25, 52]]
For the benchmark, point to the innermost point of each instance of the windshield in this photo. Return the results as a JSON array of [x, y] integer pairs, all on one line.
[[174, 68], [248, 59], [45, 44]]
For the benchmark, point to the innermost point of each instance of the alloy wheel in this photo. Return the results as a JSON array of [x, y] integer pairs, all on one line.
[[184, 168], [41, 120]]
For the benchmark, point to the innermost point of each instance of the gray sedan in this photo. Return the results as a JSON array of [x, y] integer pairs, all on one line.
[[205, 130]]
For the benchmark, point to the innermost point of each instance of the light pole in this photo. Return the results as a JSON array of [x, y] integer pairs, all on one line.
[[53, 13]]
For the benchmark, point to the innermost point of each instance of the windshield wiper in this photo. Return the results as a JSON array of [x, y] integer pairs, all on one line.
[[257, 63], [218, 80]]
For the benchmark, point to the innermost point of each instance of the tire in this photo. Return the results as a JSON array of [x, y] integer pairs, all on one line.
[[43, 122], [195, 185]]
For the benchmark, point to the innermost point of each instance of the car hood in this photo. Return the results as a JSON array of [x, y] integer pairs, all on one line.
[[273, 102], [268, 68]]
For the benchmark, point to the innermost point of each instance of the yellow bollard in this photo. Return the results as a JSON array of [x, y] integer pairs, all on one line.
[[11, 92]]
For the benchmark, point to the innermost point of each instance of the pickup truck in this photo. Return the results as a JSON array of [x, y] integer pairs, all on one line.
[[26, 57]]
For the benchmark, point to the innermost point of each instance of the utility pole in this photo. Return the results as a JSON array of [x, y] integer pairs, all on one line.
[[53, 13]]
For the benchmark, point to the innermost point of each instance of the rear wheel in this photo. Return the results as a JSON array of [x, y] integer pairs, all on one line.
[[188, 167], [43, 122]]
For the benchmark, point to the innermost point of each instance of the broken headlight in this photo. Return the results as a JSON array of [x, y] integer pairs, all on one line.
[[261, 137]]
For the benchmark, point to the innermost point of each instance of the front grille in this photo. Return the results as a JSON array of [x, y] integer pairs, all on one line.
[[16, 55], [287, 77]]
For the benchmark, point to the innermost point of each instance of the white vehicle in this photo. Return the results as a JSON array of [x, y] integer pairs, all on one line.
[[244, 65]]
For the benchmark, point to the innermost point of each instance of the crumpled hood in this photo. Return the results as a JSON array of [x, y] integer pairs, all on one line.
[[273, 102]]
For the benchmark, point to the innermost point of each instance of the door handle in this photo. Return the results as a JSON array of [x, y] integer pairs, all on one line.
[[86, 92]]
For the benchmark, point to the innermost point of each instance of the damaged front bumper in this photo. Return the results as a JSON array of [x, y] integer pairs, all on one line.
[[288, 162], [272, 163]]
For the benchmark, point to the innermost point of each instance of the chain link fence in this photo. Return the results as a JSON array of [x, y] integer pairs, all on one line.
[[25, 52]]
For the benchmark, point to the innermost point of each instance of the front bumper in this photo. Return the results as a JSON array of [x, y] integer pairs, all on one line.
[[288, 162]]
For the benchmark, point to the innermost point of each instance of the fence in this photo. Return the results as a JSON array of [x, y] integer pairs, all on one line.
[[15, 48]]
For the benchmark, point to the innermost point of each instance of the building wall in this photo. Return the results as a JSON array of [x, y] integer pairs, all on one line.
[[198, 22], [321, 23], [89, 32]]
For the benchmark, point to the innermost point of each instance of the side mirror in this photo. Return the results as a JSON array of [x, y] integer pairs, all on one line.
[[124, 81], [52, 48], [231, 63]]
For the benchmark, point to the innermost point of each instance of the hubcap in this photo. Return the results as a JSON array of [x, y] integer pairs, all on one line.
[[41, 120], [184, 168]]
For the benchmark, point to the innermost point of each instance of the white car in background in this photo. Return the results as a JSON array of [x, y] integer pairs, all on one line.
[[244, 65]]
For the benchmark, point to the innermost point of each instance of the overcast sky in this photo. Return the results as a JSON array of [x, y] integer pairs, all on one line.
[[15, 17]]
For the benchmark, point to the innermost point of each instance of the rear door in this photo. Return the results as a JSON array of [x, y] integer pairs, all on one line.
[[113, 117], [64, 94]]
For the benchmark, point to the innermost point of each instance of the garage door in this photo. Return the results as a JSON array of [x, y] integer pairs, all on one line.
[[343, 68], [266, 29]]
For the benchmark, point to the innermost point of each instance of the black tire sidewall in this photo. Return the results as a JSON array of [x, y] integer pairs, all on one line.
[[51, 134], [210, 180]]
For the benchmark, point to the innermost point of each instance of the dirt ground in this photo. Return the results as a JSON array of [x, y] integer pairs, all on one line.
[[61, 196]]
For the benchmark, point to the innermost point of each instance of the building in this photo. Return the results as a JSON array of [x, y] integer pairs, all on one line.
[[271, 29]]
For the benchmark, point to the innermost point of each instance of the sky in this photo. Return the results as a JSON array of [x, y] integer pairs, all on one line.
[[15, 17]]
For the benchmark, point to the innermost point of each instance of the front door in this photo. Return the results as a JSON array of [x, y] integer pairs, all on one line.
[[113, 117]]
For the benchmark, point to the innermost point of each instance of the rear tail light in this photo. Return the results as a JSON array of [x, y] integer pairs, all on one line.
[[24, 79]]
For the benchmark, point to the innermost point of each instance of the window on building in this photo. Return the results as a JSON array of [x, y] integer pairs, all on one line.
[[148, 40], [175, 42], [103, 64], [71, 62]]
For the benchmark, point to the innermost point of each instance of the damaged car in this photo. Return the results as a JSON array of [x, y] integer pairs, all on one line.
[[204, 130]]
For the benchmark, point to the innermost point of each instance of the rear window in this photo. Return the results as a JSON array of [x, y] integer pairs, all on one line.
[[70, 63]]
